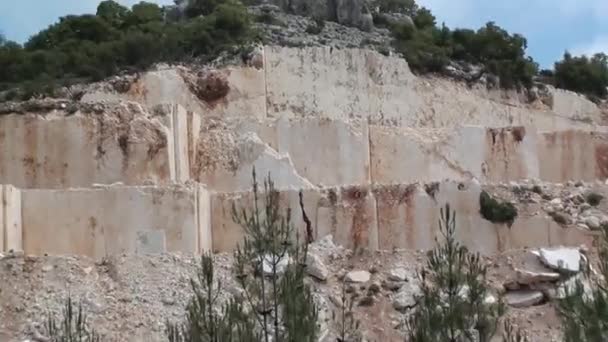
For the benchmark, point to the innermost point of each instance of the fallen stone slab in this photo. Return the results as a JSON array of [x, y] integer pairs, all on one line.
[[524, 299], [561, 259], [527, 278]]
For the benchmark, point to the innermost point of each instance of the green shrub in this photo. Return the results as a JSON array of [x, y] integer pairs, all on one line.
[[496, 211], [588, 75], [594, 199], [316, 27], [429, 48], [537, 189]]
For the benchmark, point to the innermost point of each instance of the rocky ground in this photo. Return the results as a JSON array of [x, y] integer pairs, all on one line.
[[130, 297], [573, 204], [280, 28]]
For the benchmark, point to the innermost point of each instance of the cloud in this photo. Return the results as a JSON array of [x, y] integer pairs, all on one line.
[[598, 44], [455, 13]]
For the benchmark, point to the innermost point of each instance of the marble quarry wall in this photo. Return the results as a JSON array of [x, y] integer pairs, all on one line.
[[118, 219]]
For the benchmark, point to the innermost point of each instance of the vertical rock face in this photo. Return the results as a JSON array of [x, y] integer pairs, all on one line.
[[370, 142], [59, 149]]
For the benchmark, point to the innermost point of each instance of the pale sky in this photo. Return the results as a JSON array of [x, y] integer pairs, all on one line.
[[551, 26]]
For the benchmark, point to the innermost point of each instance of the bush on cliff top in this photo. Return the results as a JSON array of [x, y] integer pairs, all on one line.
[[496, 211], [587, 75], [429, 48], [91, 47]]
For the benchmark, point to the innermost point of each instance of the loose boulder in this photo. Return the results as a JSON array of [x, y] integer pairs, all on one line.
[[528, 277], [561, 259], [405, 299], [398, 274], [358, 277], [316, 268]]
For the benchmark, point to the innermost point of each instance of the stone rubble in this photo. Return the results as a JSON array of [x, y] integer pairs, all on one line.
[[130, 285], [293, 30], [561, 273]]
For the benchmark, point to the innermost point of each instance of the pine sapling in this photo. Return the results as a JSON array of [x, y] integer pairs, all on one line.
[[73, 326], [348, 325], [204, 323], [270, 268], [453, 305], [584, 308]]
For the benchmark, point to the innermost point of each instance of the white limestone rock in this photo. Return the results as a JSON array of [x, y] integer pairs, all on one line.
[[524, 299], [280, 268], [398, 274], [529, 277], [316, 268], [358, 277], [561, 259], [405, 299]]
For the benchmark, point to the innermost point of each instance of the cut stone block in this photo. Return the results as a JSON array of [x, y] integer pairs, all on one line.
[[151, 242]]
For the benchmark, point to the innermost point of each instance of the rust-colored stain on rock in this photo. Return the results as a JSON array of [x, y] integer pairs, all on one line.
[[601, 161], [395, 215], [519, 133], [212, 87], [31, 150], [502, 160], [355, 198]]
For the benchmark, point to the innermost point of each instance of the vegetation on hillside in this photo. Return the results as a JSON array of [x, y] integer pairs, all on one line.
[[91, 47], [496, 211], [587, 75], [429, 47]]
